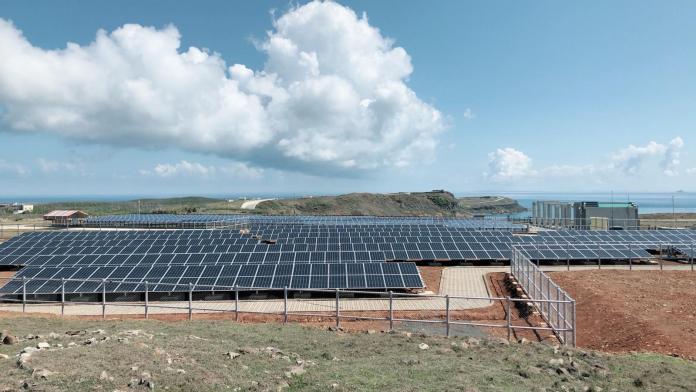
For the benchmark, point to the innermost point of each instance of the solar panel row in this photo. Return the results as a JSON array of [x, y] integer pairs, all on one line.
[[176, 278]]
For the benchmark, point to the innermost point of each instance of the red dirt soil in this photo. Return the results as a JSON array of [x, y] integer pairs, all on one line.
[[623, 311]]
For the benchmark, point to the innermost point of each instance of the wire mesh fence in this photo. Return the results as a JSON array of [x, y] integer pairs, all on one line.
[[556, 307], [396, 310]]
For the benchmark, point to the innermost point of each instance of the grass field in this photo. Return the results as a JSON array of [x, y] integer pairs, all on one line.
[[175, 356]]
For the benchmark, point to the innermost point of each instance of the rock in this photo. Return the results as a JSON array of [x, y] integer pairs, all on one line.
[[43, 373], [371, 332], [295, 371], [89, 341], [99, 332], [423, 346], [4, 356], [249, 350], [556, 362], [232, 354], [3, 333], [9, 339], [75, 333], [104, 376], [523, 341], [43, 345], [134, 368], [28, 350], [334, 385], [53, 335], [472, 341], [71, 344]]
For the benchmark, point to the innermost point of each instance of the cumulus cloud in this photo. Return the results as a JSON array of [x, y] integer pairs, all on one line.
[[506, 164], [630, 159], [691, 171], [195, 169], [332, 95], [13, 168], [509, 164], [51, 166]]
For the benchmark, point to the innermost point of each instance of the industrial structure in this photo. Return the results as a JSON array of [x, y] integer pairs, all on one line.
[[586, 215]]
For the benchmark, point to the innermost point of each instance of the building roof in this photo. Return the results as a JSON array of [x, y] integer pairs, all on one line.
[[65, 214]]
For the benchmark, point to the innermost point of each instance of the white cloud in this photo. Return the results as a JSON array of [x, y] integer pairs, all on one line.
[[670, 162], [509, 164], [331, 97], [630, 159], [469, 114], [194, 169], [691, 171], [13, 168], [52, 166]]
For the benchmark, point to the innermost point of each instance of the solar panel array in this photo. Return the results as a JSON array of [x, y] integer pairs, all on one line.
[[297, 252], [214, 220]]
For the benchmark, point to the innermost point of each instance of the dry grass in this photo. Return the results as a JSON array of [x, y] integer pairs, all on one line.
[[189, 355]]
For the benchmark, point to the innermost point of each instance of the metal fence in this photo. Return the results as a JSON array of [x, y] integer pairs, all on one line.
[[556, 307], [337, 305]]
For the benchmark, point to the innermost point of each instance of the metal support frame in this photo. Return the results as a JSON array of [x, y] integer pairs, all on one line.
[[285, 305], [447, 315], [62, 296], [391, 310], [338, 310], [147, 301], [103, 298], [24, 294], [190, 301], [236, 303]]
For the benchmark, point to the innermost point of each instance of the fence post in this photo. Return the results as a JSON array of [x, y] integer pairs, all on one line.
[[103, 298], [285, 305], [391, 311], [574, 324], [24, 294], [236, 303], [660, 257], [147, 301], [190, 300], [447, 315], [338, 307], [630, 257], [62, 296], [508, 318]]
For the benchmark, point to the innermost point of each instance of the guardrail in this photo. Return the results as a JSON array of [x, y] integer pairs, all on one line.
[[556, 307], [334, 304]]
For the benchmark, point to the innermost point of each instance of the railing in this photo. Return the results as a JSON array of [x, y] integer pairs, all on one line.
[[556, 307], [334, 304], [608, 223]]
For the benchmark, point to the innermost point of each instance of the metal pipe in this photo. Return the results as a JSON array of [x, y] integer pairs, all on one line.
[[508, 318], [103, 298], [391, 311], [285, 305], [190, 300], [147, 301], [447, 316], [24, 294], [236, 303], [62, 297], [338, 307]]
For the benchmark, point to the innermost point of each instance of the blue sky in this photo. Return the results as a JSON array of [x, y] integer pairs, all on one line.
[[481, 97]]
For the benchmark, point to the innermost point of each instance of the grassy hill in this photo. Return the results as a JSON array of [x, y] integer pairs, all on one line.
[[222, 355], [435, 203]]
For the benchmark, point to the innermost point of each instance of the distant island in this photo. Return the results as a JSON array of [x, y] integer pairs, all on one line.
[[434, 203]]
